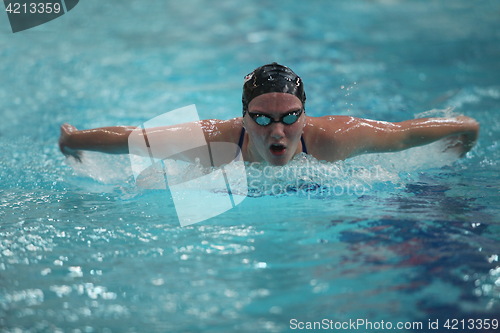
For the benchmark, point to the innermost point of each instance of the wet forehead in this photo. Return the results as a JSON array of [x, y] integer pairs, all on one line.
[[275, 103]]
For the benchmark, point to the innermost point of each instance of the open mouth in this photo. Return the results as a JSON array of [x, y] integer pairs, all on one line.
[[277, 149]]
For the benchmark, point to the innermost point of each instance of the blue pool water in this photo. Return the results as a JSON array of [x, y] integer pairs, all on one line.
[[406, 237]]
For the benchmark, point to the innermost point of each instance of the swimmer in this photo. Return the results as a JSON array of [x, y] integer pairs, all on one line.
[[274, 127]]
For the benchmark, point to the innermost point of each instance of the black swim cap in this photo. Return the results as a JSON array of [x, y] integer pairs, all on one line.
[[272, 78]]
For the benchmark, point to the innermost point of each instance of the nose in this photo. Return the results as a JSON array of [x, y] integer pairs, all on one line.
[[277, 130]]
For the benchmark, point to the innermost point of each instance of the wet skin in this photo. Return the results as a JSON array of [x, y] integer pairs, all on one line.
[[276, 143], [329, 138]]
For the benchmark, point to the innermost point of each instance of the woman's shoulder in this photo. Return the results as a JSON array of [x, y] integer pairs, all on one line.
[[331, 120], [325, 136], [218, 130], [328, 126]]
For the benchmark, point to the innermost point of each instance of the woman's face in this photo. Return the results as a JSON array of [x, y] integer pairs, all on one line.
[[275, 143]]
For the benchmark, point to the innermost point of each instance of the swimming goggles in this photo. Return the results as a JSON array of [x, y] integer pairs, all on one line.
[[265, 120]]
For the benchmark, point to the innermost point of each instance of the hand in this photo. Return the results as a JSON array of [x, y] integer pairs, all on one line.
[[456, 145], [462, 143], [64, 139]]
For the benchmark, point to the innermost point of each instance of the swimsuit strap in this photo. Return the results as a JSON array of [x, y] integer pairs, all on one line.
[[242, 137], [304, 149]]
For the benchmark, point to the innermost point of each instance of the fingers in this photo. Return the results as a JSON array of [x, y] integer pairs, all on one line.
[[77, 155], [66, 130], [68, 152], [458, 144]]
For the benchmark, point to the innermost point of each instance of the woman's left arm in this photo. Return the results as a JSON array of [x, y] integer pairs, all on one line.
[[387, 137]]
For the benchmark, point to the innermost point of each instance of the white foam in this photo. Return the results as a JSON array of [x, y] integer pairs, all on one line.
[[304, 173]]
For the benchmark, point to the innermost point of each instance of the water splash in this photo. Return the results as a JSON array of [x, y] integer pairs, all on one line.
[[303, 175]]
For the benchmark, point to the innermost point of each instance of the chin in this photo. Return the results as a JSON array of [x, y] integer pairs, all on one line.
[[279, 161]]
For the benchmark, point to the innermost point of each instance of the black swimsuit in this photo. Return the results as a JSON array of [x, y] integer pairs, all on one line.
[[242, 136]]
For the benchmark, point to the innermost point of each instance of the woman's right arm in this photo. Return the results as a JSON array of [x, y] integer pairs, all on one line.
[[111, 140], [187, 141]]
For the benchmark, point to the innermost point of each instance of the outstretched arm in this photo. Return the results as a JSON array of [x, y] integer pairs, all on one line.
[[187, 141], [111, 140], [375, 136], [462, 132]]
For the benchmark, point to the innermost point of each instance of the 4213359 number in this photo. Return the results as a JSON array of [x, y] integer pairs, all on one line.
[[34, 8]]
